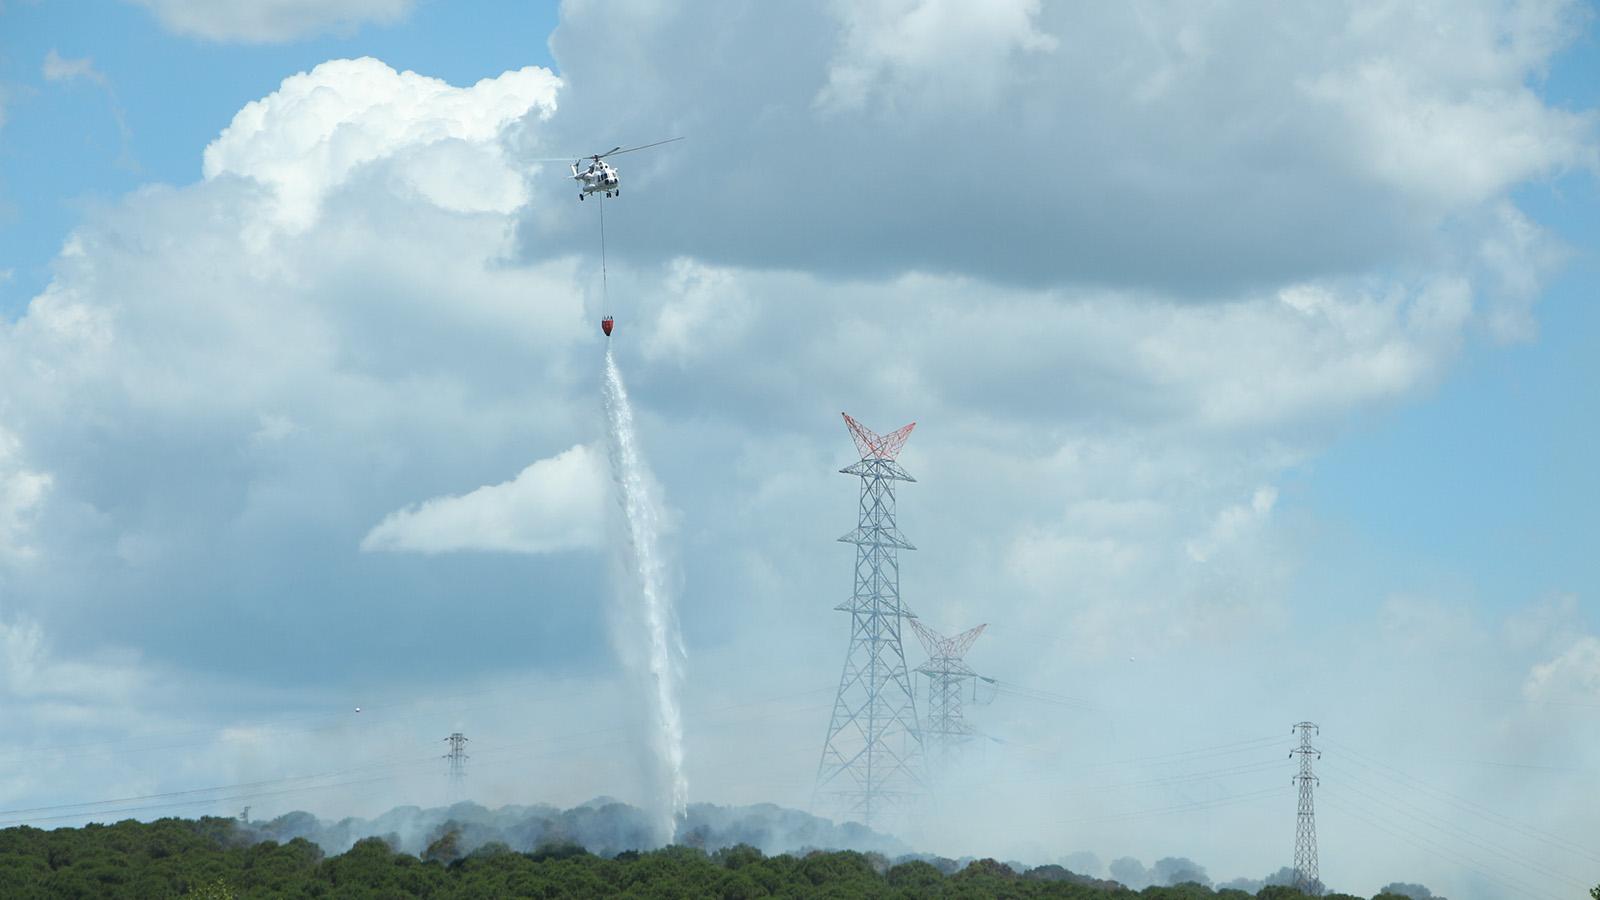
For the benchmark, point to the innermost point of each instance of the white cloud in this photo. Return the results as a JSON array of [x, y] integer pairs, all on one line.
[[554, 504], [1546, 624], [59, 68], [273, 21], [1572, 675], [320, 127], [22, 492], [1451, 149], [65, 70], [961, 51], [698, 307], [1233, 523], [31, 671], [240, 373]]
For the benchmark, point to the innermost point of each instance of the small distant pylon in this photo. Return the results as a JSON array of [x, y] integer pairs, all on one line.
[[947, 675], [458, 764], [1306, 879]]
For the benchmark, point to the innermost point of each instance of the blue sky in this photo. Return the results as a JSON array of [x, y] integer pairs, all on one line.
[[63, 151], [1438, 493], [1255, 382]]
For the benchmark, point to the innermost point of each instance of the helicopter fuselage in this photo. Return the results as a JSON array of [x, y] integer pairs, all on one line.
[[597, 177]]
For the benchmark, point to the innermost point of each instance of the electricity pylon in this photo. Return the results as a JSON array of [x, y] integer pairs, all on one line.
[[458, 764], [873, 756], [947, 675], [1306, 879]]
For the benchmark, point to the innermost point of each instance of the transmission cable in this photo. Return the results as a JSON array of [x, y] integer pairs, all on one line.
[[1494, 817], [1373, 794], [1518, 887]]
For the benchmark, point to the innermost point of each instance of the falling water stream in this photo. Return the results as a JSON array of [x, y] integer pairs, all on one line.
[[647, 632]]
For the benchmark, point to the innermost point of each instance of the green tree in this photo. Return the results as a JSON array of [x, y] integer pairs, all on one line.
[[915, 876]]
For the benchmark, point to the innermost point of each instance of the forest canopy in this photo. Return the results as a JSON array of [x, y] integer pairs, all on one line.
[[222, 858]]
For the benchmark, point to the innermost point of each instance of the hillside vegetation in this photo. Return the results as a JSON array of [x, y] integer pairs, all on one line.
[[216, 858]]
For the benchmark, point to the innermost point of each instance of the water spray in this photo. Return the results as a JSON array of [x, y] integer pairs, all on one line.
[[644, 592]]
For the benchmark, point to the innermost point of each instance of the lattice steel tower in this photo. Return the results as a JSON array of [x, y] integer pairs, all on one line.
[[1306, 879], [947, 675], [873, 759], [458, 764]]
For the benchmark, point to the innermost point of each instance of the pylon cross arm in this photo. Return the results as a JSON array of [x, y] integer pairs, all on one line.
[[930, 639], [877, 446], [961, 643]]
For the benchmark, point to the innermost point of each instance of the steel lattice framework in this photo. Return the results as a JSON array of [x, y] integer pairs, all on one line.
[[458, 763], [873, 756], [947, 675], [1306, 879]]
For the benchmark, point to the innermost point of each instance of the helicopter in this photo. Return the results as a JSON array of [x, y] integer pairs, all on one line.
[[600, 176]]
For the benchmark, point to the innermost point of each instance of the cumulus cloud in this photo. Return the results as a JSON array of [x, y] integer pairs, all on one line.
[[22, 490], [554, 504], [319, 127], [273, 21], [247, 369]]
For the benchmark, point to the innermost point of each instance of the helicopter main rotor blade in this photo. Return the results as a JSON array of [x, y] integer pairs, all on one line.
[[580, 157], [618, 151]]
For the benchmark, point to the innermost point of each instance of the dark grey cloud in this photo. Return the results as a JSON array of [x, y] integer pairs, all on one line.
[[1117, 146]]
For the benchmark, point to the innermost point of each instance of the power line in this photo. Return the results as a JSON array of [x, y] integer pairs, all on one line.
[[1517, 887], [1183, 807], [1012, 689], [275, 726], [1387, 800], [1180, 778], [1471, 807], [393, 763], [1201, 751]]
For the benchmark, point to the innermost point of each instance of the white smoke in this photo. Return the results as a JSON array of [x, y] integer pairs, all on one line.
[[656, 648]]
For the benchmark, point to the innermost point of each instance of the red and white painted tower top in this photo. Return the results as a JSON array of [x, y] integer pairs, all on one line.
[[877, 446]]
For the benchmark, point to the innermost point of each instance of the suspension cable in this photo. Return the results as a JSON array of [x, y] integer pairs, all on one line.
[[605, 300]]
